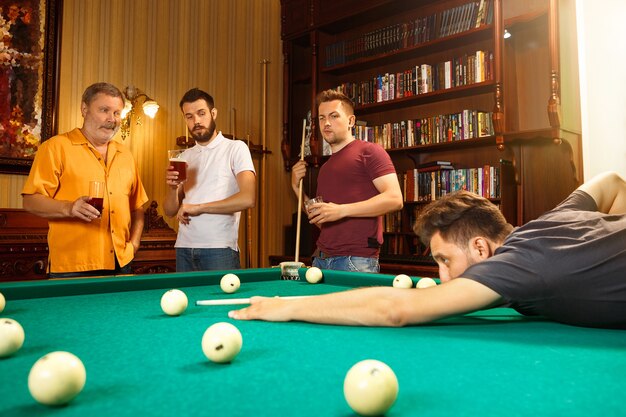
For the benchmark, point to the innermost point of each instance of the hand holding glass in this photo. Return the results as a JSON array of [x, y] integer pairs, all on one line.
[[96, 194], [312, 201], [179, 163]]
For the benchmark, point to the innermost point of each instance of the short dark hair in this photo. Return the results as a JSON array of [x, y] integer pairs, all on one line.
[[332, 95], [460, 216], [196, 94], [105, 88]]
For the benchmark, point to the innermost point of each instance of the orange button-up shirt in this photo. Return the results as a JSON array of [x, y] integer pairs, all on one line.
[[62, 169]]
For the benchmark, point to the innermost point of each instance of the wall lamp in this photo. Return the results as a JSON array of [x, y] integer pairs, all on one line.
[[132, 96]]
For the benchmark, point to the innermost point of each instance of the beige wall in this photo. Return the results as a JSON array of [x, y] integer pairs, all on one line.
[[602, 89], [165, 47]]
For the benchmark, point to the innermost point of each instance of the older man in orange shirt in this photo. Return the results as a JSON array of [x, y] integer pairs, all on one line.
[[82, 240]]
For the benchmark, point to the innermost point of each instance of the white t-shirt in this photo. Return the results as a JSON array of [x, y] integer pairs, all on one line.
[[212, 176]]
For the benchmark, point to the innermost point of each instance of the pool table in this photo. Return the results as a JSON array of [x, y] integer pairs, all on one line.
[[141, 362]]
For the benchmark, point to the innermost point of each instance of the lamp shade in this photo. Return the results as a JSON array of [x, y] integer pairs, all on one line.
[[128, 106], [150, 108]]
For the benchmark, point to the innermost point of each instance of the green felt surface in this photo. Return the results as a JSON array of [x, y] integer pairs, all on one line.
[[142, 362]]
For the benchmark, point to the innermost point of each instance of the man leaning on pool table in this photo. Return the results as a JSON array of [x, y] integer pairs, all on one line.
[[569, 265]]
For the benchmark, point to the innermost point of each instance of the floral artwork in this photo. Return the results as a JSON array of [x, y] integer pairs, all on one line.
[[22, 77]]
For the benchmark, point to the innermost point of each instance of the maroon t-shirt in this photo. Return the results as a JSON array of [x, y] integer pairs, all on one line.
[[347, 178]]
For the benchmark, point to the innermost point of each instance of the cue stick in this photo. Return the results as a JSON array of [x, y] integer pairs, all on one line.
[[249, 225], [300, 194], [248, 229], [263, 194], [238, 301]]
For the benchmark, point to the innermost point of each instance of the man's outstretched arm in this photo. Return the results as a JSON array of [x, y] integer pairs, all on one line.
[[376, 306]]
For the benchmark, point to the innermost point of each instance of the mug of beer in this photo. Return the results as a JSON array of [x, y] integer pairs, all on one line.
[[96, 195], [179, 163]]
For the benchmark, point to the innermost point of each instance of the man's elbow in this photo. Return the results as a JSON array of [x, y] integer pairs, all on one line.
[[398, 202], [27, 202], [249, 201], [169, 211], [251, 204], [393, 315]]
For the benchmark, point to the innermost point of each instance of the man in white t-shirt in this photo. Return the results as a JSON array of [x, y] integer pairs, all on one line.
[[220, 183]]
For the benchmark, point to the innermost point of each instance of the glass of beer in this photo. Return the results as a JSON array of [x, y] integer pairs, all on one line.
[[179, 163], [96, 194]]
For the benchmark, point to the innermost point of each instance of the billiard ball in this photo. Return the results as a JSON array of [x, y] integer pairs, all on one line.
[[174, 302], [313, 275], [11, 337], [425, 283], [402, 281], [221, 342], [56, 378], [370, 387], [230, 283], [3, 302]]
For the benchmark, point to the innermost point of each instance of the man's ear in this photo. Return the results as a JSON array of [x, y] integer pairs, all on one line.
[[351, 121], [83, 109], [480, 247], [214, 113]]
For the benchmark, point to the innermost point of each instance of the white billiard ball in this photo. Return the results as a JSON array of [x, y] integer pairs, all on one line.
[[402, 281], [221, 342], [3, 302], [425, 283], [56, 378], [313, 275], [11, 337], [174, 302], [230, 283], [370, 387]]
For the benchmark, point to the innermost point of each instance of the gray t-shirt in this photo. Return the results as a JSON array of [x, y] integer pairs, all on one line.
[[568, 265]]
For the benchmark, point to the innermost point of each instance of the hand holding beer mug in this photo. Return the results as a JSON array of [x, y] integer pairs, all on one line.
[[178, 162], [96, 195]]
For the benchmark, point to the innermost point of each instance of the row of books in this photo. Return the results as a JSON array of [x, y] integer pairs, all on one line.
[[395, 245], [399, 238], [465, 17], [467, 124], [396, 222], [392, 223], [431, 185], [411, 33], [421, 79]]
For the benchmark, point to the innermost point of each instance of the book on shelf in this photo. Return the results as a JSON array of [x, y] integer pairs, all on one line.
[[424, 78], [430, 183], [468, 124], [408, 34], [431, 164]]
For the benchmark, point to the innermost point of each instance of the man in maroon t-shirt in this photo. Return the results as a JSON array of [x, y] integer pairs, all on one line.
[[358, 185]]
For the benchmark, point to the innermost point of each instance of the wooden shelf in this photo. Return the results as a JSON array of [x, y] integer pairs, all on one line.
[[454, 41], [456, 144], [425, 98]]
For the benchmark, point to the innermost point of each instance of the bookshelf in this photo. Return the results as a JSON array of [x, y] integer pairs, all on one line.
[[437, 81]]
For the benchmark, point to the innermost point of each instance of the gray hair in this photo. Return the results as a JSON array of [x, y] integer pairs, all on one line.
[[105, 88]]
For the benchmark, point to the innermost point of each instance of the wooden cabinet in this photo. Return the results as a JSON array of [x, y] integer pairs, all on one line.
[[24, 246], [437, 81]]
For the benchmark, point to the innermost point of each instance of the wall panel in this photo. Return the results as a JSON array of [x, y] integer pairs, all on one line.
[[165, 47]]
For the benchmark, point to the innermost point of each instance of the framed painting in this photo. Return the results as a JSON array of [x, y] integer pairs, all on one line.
[[30, 33]]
